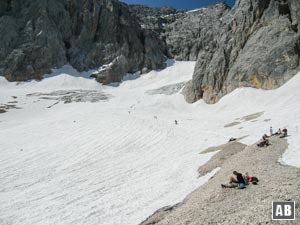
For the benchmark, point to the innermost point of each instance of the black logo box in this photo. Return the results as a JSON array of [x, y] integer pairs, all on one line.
[[283, 210]]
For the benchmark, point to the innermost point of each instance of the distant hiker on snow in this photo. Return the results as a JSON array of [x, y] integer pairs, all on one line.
[[176, 122], [238, 182], [271, 131], [232, 139]]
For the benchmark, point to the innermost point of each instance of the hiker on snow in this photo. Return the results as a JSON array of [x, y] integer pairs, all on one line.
[[271, 131], [279, 132]]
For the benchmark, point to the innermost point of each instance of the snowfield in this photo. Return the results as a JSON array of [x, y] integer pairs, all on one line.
[[75, 152]]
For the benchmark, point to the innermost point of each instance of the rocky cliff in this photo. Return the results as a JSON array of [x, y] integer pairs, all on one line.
[[258, 47], [184, 33], [39, 35], [255, 44]]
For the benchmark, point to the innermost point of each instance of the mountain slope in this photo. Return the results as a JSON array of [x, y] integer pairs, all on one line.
[[211, 204], [74, 151]]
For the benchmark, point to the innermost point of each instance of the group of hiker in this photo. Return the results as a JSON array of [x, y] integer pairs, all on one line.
[[282, 133], [240, 181]]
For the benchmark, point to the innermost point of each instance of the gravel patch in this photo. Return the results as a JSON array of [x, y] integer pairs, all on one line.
[[210, 204], [252, 116], [232, 124], [167, 90]]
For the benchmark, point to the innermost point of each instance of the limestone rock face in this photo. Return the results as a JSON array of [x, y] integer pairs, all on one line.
[[259, 47], [194, 31], [36, 36], [184, 33], [254, 44]]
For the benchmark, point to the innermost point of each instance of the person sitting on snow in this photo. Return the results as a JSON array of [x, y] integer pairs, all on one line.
[[284, 133], [265, 136], [279, 132]]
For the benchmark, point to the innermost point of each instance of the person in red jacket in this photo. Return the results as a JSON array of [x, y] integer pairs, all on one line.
[[251, 179]]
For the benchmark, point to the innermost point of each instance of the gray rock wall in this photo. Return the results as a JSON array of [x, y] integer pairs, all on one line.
[[193, 32], [37, 35], [255, 44], [259, 47], [184, 33]]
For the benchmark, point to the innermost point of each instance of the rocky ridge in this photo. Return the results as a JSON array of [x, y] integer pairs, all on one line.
[[210, 204]]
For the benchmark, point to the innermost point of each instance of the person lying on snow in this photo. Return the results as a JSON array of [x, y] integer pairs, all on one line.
[[238, 182], [232, 139]]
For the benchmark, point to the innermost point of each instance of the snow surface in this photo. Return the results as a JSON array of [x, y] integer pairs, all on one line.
[[115, 162], [196, 10]]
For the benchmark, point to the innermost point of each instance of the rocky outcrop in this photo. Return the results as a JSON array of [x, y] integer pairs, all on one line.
[[154, 18], [184, 33], [258, 47], [39, 35]]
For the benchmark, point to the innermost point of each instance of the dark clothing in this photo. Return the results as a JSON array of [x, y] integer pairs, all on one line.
[[262, 143], [285, 132], [232, 139], [240, 178]]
